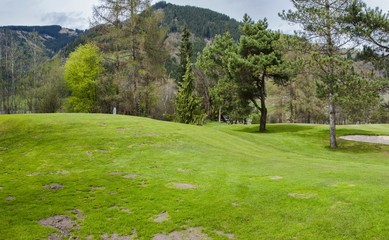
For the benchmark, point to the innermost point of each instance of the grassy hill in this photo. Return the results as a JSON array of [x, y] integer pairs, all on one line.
[[111, 176]]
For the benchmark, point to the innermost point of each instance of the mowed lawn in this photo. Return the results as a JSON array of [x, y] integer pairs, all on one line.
[[120, 177]]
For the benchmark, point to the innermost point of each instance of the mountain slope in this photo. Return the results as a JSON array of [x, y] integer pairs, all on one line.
[[53, 38], [203, 23]]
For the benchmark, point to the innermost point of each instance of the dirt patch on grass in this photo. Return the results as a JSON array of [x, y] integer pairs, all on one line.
[[79, 214], [227, 235], [340, 204], [367, 138], [61, 172], [189, 234], [95, 188], [120, 129], [54, 186], [276, 178], [116, 173], [122, 209], [10, 198], [62, 223], [131, 176], [162, 217], [184, 186], [302, 195], [118, 237], [344, 185]]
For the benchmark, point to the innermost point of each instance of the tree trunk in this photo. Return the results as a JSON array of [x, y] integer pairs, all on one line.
[[332, 124], [262, 122], [220, 114]]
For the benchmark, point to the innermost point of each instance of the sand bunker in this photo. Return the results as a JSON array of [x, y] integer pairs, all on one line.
[[368, 139]]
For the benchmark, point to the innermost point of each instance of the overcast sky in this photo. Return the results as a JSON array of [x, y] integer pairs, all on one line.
[[76, 13]]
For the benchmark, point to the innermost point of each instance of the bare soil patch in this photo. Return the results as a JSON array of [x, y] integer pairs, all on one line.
[[368, 139], [62, 223], [184, 186], [189, 234], [10, 198], [79, 214], [302, 195], [162, 217], [227, 235], [131, 176], [118, 237], [53, 186], [276, 178]]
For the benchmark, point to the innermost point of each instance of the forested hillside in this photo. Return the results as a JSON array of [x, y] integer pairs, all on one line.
[[203, 23], [54, 37]]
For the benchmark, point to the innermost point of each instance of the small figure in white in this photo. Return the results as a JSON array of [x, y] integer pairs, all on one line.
[[114, 111]]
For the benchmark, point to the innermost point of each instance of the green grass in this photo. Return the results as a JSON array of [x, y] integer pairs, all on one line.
[[323, 193]]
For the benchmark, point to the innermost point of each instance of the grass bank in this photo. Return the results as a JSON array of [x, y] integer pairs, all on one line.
[[138, 178]]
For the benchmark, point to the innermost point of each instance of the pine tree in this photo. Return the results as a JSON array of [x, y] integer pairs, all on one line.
[[185, 53], [188, 106]]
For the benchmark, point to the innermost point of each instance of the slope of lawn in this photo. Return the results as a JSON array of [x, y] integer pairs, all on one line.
[[138, 177]]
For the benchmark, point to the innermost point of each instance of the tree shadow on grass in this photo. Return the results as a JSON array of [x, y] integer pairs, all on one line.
[[277, 128]]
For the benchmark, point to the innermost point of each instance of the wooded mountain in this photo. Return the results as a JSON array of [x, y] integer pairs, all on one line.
[[53, 38], [203, 23]]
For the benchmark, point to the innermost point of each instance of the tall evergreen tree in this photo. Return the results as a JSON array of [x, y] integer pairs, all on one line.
[[185, 53], [188, 105]]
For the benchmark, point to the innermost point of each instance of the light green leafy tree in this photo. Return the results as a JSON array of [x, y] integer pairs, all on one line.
[[82, 70]]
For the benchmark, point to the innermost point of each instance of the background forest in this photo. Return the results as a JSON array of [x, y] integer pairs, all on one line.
[[189, 64]]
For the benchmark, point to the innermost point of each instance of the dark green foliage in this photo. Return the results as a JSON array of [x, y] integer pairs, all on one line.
[[188, 105], [257, 61], [185, 53], [202, 22]]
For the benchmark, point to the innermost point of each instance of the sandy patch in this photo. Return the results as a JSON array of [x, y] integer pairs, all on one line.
[[302, 195], [162, 217], [62, 223], [184, 186], [368, 139], [189, 234]]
